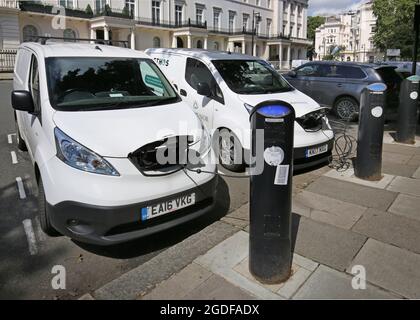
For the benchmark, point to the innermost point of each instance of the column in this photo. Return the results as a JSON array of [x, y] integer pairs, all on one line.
[[174, 41], [133, 39], [92, 34], [288, 56], [243, 47], [296, 20], [281, 55], [206, 42], [189, 42], [289, 22], [106, 33], [254, 50], [230, 46]]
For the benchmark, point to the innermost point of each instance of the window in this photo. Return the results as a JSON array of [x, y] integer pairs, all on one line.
[[268, 3], [34, 84], [130, 4], [199, 44], [199, 14], [197, 72], [258, 2], [269, 23], [99, 5], [69, 35], [245, 21], [216, 46], [29, 33], [251, 76], [216, 19], [178, 15], [66, 3], [106, 83], [156, 42], [156, 12], [232, 21], [308, 70]]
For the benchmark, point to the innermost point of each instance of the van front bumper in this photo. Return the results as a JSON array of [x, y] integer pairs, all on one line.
[[102, 225], [301, 161]]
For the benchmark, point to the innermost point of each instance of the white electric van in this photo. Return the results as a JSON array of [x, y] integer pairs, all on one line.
[[92, 118], [222, 88]]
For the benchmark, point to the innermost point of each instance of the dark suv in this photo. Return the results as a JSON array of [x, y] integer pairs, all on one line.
[[339, 84]]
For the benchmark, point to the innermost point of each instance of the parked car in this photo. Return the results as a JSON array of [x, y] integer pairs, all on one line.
[[340, 84], [222, 88], [404, 67], [91, 117]]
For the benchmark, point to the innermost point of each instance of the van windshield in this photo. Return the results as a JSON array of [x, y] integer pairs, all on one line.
[[92, 83], [251, 76]]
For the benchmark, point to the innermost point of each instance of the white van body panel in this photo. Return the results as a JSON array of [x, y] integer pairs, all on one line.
[[233, 115]]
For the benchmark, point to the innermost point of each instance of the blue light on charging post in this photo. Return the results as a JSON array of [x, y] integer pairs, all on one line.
[[274, 111]]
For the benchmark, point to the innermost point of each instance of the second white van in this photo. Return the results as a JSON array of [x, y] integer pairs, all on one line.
[[222, 88]]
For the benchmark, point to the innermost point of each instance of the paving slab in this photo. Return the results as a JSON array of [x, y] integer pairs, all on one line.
[[325, 243], [397, 169], [229, 260], [325, 209], [389, 228], [349, 176], [405, 185], [396, 158], [180, 284], [391, 268], [407, 206], [217, 288], [417, 173], [142, 279], [399, 148], [326, 283], [353, 193], [414, 161], [389, 139]]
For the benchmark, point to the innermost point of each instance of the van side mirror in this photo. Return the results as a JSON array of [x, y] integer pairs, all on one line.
[[22, 100], [292, 74], [203, 89]]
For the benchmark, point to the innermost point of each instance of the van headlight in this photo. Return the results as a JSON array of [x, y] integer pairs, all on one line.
[[77, 156]]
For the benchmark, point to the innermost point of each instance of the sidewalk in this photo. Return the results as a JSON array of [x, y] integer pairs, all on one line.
[[339, 222], [6, 76]]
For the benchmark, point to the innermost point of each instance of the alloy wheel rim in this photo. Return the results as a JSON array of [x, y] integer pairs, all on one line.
[[345, 109]]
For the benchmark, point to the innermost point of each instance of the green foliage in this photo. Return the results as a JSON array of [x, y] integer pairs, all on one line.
[[394, 28], [313, 23], [126, 11], [328, 57], [89, 10]]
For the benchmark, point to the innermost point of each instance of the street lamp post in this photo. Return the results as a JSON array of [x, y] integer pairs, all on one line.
[[254, 29]]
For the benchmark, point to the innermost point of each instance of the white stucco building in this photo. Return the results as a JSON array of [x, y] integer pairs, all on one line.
[[351, 30], [281, 26]]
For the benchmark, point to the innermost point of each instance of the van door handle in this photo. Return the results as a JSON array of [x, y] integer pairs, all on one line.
[[182, 92]]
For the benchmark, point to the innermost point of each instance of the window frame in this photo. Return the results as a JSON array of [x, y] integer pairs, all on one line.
[[214, 88]]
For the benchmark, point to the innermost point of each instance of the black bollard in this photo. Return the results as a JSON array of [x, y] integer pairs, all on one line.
[[368, 164], [270, 253], [407, 111]]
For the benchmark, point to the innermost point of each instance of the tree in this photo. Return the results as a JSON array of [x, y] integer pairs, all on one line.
[[89, 10], [394, 26], [313, 23]]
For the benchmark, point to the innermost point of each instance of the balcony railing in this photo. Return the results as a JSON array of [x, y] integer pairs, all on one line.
[[39, 7], [171, 24], [12, 4], [7, 60]]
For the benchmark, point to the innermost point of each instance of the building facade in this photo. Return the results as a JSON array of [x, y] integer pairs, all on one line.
[[352, 32], [280, 26]]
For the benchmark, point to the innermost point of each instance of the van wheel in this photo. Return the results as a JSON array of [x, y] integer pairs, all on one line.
[[230, 149], [43, 214], [346, 108], [20, 142]]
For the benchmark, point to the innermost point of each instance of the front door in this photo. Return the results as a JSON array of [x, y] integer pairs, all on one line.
[[196, 72]]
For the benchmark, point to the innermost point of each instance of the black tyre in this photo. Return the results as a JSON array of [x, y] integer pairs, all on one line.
[[230, 152], [44, 219], [20, 142], [346, 108]]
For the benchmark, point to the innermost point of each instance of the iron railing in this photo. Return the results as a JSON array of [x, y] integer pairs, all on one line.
[[7, 60], [12, 4]]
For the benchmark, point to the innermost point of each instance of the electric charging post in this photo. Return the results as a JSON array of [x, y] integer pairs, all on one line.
[[368, 164], [407, 111], [270, 253]]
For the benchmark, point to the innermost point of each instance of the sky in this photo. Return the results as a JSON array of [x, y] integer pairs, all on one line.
[[318, 7]]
